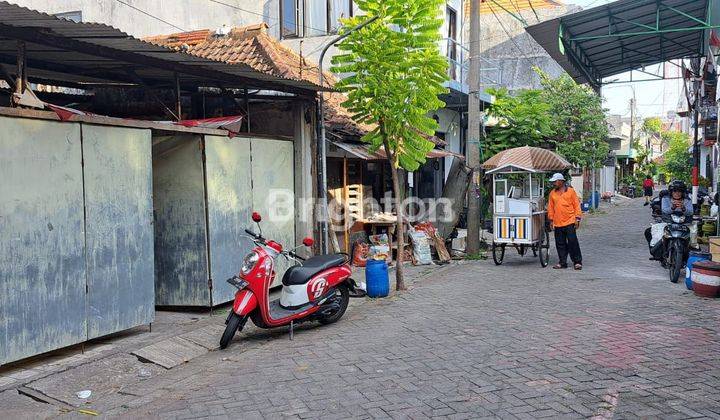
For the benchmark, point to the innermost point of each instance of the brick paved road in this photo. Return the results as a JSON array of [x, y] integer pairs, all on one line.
[[615, 340]]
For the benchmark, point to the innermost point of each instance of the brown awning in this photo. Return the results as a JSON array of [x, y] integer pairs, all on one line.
[[526, 158]]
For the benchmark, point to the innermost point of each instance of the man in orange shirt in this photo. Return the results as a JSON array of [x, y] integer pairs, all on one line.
[[564, 214]]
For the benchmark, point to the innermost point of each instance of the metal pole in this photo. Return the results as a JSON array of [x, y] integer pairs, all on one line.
[[178, 98], [593, 199], [322, 169], [21, 73], [696, 152], [472, 149], [247, 109]]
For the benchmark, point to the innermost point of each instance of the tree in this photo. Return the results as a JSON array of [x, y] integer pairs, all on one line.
[[652, 126], [524, 120], [677, 160], [396, 74], [579, 129]]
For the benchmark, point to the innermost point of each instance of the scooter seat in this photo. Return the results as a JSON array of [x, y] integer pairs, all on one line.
[[301, 274]]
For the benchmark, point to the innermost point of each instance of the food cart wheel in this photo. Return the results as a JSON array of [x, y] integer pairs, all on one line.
[[498, 251], [544, 248]]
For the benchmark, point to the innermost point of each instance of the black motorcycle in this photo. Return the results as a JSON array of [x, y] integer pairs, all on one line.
[[676, 243]]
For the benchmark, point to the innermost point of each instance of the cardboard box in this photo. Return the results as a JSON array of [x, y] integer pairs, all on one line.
[[714, 245]]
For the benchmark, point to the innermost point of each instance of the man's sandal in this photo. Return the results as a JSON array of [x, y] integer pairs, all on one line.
[[578, 267], [559, 266]]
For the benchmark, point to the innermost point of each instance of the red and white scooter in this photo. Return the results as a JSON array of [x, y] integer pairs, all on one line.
[[317, 289]]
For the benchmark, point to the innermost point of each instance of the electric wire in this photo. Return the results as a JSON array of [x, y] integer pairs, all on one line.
[[522, 53], [534, 11], [150, 15]]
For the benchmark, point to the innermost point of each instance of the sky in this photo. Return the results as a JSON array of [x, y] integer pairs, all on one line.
[[654, 98]]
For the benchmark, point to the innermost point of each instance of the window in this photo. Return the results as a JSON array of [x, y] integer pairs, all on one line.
[[338, 9], [75, 16], [316, 17], [451, 21], [289, 14]]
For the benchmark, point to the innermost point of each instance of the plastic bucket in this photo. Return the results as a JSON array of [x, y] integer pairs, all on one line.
[[376, 278], [694, 257]]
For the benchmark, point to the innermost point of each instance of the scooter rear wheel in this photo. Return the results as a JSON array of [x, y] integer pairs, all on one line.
[[235, 323], [343, 294]]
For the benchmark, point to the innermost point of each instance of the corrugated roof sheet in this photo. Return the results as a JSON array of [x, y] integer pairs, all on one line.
[[362, 151], [253, 46], [618, 37], [79, 50]]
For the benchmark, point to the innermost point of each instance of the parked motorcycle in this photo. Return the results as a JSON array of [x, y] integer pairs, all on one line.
[[317, 289]]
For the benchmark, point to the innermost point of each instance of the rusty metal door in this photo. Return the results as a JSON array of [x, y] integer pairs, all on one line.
[[181, 272], [229, 202], [42, 264], [273, 175], [119, 231]]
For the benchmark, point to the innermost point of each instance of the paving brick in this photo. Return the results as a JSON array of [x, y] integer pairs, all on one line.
[[473, 341]]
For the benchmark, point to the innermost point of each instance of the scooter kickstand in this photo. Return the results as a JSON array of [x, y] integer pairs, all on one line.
[[292, 329]]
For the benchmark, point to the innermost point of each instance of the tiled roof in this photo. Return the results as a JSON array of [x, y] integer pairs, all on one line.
[[249, 45]]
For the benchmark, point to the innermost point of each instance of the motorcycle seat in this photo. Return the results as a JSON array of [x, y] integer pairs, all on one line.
[[301, 274]]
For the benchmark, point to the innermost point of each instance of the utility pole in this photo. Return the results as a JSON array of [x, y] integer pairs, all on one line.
[[696, 149], [472, 146], [632, 120]]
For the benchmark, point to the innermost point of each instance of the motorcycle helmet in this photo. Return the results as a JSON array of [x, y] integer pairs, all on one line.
[[677, 185]]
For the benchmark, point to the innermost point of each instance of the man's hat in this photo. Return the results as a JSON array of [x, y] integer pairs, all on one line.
[[557, 177]]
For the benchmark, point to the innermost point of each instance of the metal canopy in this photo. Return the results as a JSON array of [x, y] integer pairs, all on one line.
[[625, 35], [60, 50]]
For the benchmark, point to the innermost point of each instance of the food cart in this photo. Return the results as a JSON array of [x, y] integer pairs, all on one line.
[[519, 215]]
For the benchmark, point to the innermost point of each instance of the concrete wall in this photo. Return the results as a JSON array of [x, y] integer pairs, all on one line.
[[182, 15], [513, 51]]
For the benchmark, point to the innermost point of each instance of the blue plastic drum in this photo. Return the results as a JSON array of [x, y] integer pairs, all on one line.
[[377, 279], [694, 257]]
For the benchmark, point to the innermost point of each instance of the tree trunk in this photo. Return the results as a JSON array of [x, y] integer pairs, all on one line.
[[399, 232], [455, 190]]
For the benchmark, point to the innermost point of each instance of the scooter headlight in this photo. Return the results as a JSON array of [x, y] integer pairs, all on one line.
[[677, 219], [249, 262]]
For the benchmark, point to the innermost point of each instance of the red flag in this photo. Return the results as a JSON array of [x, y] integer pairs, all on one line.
[[65, 113], [231, 124]]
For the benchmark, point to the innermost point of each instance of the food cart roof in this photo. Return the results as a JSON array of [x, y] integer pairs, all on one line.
[[526, 159]]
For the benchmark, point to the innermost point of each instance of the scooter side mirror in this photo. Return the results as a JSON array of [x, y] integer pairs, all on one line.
[[308, 242], [256, 217]]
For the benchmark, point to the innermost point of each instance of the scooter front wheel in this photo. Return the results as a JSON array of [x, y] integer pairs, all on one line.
[[342, 298], [676, 260], [235, 323]]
